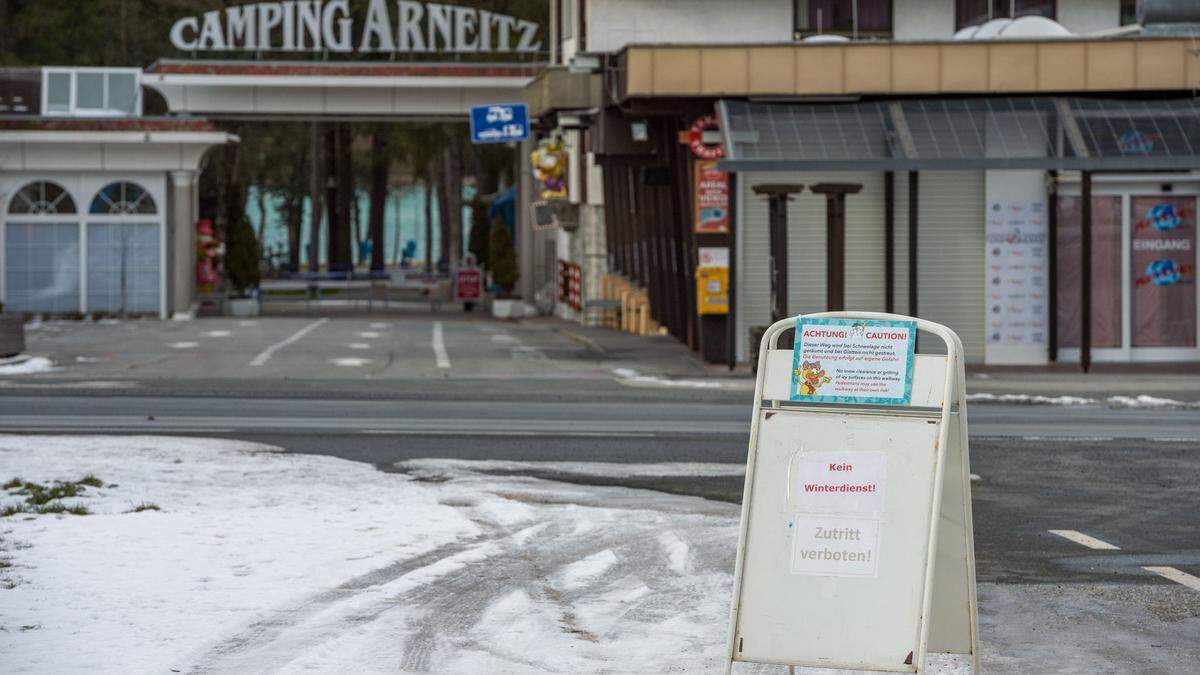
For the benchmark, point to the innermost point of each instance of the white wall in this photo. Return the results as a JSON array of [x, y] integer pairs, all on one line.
[[1089, 16], [923, 19], [612, 24]]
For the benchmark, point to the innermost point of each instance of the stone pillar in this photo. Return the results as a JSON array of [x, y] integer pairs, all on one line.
[[181, 224], [524, 226]]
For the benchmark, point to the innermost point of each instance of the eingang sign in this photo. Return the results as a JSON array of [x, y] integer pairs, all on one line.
[[328, 25]]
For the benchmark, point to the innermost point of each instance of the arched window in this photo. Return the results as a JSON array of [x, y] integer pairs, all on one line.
[[40, 199], [122, 198]]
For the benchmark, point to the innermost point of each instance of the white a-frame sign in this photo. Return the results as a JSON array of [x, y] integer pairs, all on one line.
[[856, 548]]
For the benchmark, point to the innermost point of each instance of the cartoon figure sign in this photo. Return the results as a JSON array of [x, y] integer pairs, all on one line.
[[810, 377], [853, 361]]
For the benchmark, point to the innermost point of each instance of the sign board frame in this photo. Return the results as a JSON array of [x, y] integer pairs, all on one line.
[[499, 123], [468, 278], [877, 602]]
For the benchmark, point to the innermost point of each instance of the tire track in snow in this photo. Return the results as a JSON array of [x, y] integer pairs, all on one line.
[[436, 617]]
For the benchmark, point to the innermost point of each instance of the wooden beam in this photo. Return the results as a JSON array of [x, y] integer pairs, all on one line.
[[1085, 281], [835, 241]]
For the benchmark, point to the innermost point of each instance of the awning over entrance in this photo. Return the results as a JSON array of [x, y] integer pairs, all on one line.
[[267, 89], [1063, 133]]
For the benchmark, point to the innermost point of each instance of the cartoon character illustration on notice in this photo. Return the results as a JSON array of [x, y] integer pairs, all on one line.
[[810, 376]]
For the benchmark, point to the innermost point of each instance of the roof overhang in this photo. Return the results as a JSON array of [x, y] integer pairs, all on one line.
[[975, 67], [290, 88], [559, 89], [962, 134], [134, 145]]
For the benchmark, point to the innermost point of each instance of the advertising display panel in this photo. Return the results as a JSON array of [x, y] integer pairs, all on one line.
[[1162, 261], [712, 198]]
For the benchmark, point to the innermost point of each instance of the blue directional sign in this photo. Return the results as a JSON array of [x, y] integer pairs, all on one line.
[[499, 123]]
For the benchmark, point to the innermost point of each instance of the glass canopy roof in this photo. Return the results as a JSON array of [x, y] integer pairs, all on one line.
[[954, 134]]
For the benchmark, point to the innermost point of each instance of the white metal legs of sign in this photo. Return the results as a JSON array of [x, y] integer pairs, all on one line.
[[856, 548]]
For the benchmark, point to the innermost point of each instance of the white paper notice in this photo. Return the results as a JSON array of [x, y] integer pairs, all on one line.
[[837, 499], [853, 361], [835, 547], [844, 483]]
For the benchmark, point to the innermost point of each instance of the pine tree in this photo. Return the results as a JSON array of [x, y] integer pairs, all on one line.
[[478, 241], [242, 250], [502, 257]]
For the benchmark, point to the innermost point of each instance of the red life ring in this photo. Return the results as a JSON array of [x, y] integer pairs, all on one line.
[[696, 138]]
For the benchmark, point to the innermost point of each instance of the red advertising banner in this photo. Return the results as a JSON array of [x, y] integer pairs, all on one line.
[[1162, 262], [711, 204]]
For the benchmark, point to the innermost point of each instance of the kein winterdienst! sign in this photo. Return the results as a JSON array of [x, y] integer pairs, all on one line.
[[328, 25]]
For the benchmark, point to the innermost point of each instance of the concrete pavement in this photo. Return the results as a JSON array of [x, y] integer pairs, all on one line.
[[457, 346]]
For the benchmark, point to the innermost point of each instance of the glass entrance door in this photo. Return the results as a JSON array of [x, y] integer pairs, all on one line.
[[1162, 265], [1144, 300]]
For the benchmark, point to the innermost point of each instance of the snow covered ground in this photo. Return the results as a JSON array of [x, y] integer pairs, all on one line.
[[260, 561], [1139, 401], [263, 561], [23, 364]]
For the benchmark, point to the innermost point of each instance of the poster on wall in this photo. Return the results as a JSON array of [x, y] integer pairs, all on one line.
[[711, 198], [1016, 270], [1162, 261]]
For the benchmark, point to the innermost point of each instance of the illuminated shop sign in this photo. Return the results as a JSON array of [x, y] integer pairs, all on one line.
[[328, 25]]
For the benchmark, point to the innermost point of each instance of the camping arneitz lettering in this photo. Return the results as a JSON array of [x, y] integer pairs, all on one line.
[[328, 25]]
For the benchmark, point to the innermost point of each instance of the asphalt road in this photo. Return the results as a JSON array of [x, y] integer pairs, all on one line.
[[373, 391], [382, 430]]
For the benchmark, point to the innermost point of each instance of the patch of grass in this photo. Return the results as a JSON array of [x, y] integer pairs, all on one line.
[[41, 495], [144, 506]]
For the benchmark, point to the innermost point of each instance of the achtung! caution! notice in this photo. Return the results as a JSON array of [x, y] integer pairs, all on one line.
[[853, 361]]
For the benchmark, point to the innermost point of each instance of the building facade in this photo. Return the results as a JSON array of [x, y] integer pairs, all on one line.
[[97, 203], [916, 156]]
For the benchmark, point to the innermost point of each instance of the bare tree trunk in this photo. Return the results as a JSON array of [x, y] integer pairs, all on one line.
[[454, 174], [355, 231], [314, 196], [438, 169], [428, 185], [379, 192], [295, 211], [345, 194], [332, 257], [396, 232], [261, 197]]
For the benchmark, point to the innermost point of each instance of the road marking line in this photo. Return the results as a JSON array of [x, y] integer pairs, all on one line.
[[1178, 576], [1085, 540], [498, 432], [439, 346], [267, 353]]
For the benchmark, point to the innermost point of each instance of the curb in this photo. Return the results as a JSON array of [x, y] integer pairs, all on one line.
[[587, 342]]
